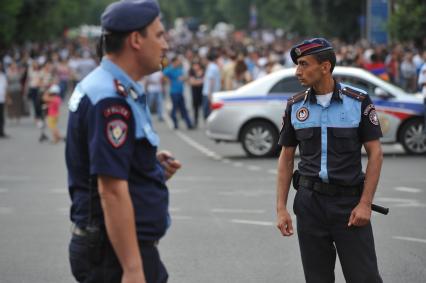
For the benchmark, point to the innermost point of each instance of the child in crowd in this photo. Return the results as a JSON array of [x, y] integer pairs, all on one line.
[[53, 101]]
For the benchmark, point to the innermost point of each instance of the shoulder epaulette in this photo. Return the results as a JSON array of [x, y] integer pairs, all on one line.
[[353, 93], [298, 97]]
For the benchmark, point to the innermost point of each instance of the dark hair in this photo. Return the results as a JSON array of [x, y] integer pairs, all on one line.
[[112, 41], [212, 55], [327, 55]]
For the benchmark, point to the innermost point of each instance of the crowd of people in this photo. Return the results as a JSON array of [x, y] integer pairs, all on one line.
[[193, 71]]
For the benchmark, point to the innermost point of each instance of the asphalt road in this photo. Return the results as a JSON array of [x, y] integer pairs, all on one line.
[[222, 207]]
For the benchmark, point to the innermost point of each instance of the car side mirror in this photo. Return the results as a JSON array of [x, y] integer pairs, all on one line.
[[379, 92]]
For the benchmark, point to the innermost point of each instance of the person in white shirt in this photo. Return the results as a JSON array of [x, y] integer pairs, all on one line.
[[155, 93], [422, 84], [211, 82], [3, 87]]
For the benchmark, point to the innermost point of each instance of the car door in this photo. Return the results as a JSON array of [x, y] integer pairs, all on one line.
[[278, 96]]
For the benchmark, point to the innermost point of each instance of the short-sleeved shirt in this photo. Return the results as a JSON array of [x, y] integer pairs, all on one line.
[[330, 138], [422, 79], [212, 74], [110, 133], [174, 74]]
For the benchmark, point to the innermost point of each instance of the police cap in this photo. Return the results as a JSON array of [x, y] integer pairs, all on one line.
[[308, 47], [129, 15]]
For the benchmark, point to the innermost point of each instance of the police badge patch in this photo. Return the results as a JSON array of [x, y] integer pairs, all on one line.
[[116, 132], [373, 117], [302, 114]]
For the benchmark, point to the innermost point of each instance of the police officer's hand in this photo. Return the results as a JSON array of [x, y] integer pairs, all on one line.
[[133, 277], [360, 215], [170, 164], [284, 223]]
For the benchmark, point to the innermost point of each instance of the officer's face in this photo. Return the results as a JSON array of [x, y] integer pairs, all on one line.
[[153, 48], [309, 71]]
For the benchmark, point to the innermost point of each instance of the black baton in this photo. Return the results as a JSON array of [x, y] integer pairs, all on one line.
[[380, 209]]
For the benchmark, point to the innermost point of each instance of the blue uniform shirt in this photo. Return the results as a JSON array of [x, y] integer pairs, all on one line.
[[110, 133], [330, 138]]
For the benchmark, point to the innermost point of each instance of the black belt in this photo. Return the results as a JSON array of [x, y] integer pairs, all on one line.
[[329, 189], [83, 233]]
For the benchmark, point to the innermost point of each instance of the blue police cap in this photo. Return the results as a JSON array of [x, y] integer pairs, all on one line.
[[129, 15], [308, 47]]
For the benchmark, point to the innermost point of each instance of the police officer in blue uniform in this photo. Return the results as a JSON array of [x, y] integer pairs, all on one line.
[[116, 176], [329, 122]]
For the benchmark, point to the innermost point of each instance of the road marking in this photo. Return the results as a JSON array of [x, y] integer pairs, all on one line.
[[225, 210], [6, 210], [407, 190], [14, 178], [251, 222], [246, 193], [179, 191], [402, 202], [59, 191], [204, 150], [410, 239], [181, 217], [253, 168]]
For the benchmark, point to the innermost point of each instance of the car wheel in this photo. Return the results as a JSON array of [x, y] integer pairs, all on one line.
[[259, 139], [413, 138]]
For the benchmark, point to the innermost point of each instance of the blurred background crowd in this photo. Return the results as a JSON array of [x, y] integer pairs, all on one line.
[[250, 41]]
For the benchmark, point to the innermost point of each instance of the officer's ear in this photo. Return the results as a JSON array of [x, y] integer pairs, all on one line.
[[325, 67], [135, 40]]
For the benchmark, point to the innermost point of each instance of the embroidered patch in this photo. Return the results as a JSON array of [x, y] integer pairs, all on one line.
[[373, 117], [302, 114], [117, 109], [116, 131], [368, 108]]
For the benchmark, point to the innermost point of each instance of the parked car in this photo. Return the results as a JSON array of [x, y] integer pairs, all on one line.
[[252, 114]]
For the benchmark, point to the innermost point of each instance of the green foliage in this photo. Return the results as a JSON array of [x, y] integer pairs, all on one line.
[[408, 22], [22, 20], [8, 23]]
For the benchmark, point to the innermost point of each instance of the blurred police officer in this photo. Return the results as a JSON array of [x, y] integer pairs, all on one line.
[[116, 176], [329, 122]]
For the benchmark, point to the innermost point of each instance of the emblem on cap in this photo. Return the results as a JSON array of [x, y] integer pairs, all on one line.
[[302, 114], [373, 117], [116, 132], [297, 51]]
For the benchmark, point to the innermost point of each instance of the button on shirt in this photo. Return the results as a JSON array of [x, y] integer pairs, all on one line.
[[330, 138], [110, 133]]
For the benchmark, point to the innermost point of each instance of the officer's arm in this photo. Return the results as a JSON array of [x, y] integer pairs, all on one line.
[[120, 223], [285, 172], [372, 174]]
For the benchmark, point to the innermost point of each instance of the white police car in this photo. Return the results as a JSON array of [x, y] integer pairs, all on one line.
[[253, 113]]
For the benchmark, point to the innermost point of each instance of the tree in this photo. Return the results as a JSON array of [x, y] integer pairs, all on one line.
[[408, 21], [8, 23]]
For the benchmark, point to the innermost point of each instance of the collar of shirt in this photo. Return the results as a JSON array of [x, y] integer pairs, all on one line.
[[121, 76], [337, 94]]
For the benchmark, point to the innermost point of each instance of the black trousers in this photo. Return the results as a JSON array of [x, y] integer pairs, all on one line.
[[322, 227], [107, 268]]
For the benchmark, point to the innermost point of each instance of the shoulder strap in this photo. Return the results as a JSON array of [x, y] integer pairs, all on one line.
[[298, 97], [353, 93]]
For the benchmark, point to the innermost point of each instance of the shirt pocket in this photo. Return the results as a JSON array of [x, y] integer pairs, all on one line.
[[345, 139], [307, 142]]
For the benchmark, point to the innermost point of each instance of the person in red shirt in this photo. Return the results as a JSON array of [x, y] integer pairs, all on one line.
[[53, 100]]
